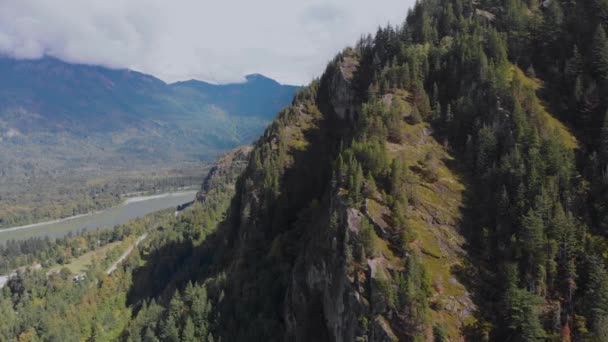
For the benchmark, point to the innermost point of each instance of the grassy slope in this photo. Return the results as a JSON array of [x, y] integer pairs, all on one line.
[[550, 123], [433, 217], [82, 263], [435, 210]]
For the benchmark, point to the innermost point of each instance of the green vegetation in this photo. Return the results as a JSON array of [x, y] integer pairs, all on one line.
[[443, 180], [82, 263], [74, 194], [71, 144], [64, 251], [71, 296]]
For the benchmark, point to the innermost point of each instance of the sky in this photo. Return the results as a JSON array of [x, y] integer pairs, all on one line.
[[217, 41]]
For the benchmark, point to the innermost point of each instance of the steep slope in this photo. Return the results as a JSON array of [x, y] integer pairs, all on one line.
[[77, 94], [259, 96], [353, 222], [176, 255], [56, 116], [75, 134], [425, 188], [322, 251]]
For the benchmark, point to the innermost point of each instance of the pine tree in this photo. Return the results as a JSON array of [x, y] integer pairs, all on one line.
[[469, 153], [373, 90], [149, 336], [599, 53], [407, 76], [397, 179], [356, 184], [341, 168], [596, 294], [448, 20], [575, 65], [200, 310], [532, 239], [604, 139], [176, 305], [600, 10], [448, 117], [553, 20], [188, 334], [519, 121], [169, 331], [435, 99], [486, 147], [578, 89], [522, 310]]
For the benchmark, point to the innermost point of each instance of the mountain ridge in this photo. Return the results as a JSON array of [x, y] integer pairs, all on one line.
[[50, 96], [424, 188], [444, 180], [60, 122]]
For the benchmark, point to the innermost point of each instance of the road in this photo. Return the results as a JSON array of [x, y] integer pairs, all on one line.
[[4, 278], [126, 254]]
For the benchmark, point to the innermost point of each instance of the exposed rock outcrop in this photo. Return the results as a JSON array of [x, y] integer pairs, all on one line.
[[225, 171], [341, 88], [338, 269], [323, 291]]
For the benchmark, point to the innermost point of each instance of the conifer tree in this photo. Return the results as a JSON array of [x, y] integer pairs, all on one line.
[[578, 89], [448, 117], [596, 295], [188, 334], [522, 311], [599, 53], [575, 66], [604, 139], [532, 241], [149, 336], [169, 330], [436, 112]]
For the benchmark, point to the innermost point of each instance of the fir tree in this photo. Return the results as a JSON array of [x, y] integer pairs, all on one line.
[[169, 331], [596, 294], [604, 139], [188, 334], [575, 65], [599, 53], [522, 310], [149, 336]]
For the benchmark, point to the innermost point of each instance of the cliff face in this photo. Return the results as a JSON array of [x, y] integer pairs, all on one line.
[[316, 257], [336, 291], [342, 95], [284, 265], [323, 293], [324, 300], [225, 172], [351, 222]]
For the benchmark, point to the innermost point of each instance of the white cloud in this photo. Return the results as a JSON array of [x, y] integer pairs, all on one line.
[[220, 41]]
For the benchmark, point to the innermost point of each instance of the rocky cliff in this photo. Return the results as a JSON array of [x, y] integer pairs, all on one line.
[[314, 264], [225, 172]]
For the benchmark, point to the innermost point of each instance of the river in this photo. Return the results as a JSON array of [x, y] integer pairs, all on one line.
[[104, 219]]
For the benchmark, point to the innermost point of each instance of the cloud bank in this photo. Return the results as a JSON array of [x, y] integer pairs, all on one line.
[[218, 41]]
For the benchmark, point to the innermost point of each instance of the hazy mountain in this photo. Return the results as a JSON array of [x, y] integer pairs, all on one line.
[[444, 180], [55, 115]]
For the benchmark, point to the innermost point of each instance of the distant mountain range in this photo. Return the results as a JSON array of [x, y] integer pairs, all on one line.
[[56, 115]]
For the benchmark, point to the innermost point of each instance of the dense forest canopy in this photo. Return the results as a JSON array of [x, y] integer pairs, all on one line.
[[483, 121]]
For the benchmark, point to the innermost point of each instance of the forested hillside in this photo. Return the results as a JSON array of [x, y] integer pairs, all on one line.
[[347, 201], [48, 107], [443, 180], [72, 135]]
